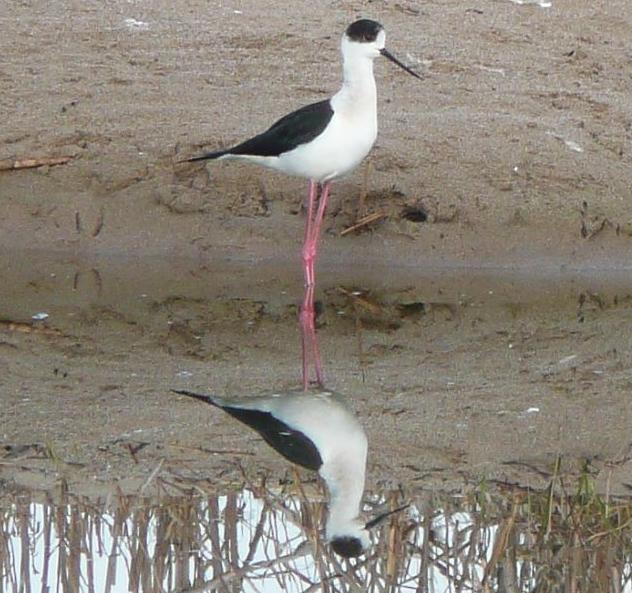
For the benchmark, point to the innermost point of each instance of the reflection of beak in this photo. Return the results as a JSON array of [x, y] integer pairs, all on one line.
[[392, 58], [377, 520]]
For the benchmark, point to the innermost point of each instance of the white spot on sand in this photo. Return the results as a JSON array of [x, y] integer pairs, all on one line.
[[571, 144], [136, 25], [540, 3], [567, 359]]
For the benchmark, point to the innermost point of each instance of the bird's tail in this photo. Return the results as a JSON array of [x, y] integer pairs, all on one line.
[[209, 399], [207, 156]]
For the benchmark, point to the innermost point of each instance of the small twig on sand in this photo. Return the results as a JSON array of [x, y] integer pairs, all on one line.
[[357, 298], [212, 451], [150, 479], [30, 163], [27, 328], [368, 219]]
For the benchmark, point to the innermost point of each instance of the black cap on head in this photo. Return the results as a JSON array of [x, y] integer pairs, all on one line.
[[364, 30], [347, 546]]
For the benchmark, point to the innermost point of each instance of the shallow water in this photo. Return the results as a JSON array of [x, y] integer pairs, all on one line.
[[62, 289]]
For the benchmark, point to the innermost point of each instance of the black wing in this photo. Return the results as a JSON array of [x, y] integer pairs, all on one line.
[[296, 128]]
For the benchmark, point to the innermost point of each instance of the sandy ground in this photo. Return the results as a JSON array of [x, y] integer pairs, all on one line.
[[488, 338]]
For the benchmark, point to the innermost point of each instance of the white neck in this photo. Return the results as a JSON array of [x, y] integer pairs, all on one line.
[[358, 84], [357, 73]]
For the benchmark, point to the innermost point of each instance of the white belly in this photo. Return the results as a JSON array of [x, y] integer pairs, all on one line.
[[336, 152]]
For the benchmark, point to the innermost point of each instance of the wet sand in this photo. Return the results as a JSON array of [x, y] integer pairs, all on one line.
[[484, 342]]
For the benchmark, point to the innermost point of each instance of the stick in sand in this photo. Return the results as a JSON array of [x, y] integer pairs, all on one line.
[[30, 163]]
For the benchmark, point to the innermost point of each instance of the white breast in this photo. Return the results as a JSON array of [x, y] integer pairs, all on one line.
[[343, 145]]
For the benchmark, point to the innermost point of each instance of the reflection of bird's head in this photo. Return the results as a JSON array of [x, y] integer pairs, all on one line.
[[351, 540], [348, 546]]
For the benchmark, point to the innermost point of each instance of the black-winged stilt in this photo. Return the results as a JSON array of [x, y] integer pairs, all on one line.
[[317, 432], [323, 142]]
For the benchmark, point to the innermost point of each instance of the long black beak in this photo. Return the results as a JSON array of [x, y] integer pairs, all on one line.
[[377, 520], [392, 58]]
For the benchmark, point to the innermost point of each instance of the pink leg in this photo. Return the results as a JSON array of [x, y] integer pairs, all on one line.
[[308, 337], [312, 231], [310, 251], [320, 214]]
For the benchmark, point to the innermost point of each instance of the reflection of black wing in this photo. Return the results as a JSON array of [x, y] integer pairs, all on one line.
[[296, 128], [290, 443]]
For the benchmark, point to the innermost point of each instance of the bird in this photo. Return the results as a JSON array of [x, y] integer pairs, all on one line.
[[322, 142], [320, 433]]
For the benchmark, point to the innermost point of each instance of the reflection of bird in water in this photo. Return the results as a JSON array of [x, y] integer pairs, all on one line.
[[317, 432], [323, 142]]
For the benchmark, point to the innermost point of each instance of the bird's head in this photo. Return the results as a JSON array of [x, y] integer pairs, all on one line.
[[366, 39]]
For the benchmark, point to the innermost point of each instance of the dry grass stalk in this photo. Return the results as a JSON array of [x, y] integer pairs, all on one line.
[[30, 163], [364, 221], [501, 543], [28, 328], [194, 543]]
